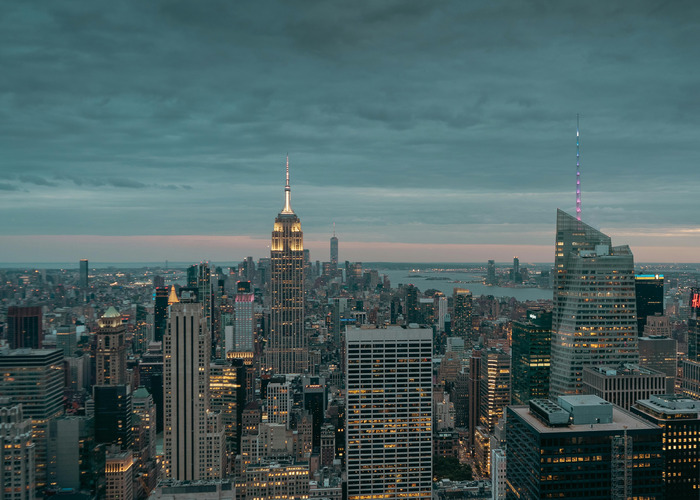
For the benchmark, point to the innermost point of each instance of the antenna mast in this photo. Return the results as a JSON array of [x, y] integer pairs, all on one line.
[[578, 173]]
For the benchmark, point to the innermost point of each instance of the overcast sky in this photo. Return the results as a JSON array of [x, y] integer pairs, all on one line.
[[427, 131]]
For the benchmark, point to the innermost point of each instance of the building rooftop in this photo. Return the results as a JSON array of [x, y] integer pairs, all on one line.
[[621, 420]]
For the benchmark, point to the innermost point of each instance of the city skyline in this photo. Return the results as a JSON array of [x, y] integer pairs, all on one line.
[[154, 132]]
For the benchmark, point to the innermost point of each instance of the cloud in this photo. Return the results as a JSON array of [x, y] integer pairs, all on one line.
[[403, 119]]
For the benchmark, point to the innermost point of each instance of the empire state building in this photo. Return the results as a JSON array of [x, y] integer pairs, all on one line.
[[286, 351]]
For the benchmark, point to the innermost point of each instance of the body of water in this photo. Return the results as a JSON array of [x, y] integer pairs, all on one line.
[[447, 281]]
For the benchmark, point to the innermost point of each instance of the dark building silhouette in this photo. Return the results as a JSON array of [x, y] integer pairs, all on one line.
[[649, 290], [160, 313], [581, 447], [24, 327], [113, 415], [531, 352], [84, 274]]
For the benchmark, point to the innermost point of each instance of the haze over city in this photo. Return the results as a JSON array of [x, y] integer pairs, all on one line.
[[427, 131]]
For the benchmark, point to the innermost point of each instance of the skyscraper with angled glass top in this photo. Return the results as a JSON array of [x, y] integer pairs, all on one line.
[[594, 321]]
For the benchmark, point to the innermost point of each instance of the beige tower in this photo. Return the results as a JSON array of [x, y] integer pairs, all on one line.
[[194, 438], [287, 350], [111, 349]]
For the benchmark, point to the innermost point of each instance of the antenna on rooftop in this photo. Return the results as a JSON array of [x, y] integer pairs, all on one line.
[[578, 173]]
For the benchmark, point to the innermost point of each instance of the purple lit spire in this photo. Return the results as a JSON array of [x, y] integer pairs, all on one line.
[[578, 174]]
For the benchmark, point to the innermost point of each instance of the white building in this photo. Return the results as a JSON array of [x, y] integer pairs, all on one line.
[[389, 412]]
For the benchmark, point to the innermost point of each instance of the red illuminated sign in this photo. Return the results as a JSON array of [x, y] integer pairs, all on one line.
[[695, 301]]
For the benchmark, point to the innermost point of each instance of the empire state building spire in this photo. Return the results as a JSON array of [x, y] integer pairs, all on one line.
[[287, 194]]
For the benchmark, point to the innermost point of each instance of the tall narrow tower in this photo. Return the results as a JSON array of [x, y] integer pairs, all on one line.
[[111, 349], [578, 173], [334, 251], [194, 436], [287, 351]]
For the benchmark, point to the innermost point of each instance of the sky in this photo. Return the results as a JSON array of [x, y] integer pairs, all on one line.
[[427, 131]]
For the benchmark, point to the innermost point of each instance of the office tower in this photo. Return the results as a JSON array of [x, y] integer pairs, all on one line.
[[75, 462], [679, 419], [66, 340], [649, 291], [113, 415], [227, 388], [474, 395], [495, 387], [690, 380], [327, 445], [491, 273], [594, 319], [24, 327], [158, 281], [315, 396], [34, 379], [191, 438], [274, 479], [279, 401], [462, 313], [493, 398], [160, 313], [515, 272], [119, 475], [334, 251], [145, 420], [581, 447], [84, 274], [531, 352], [389, 412], [111, 349], [286, 350], [657, 326], [150, 371], [498, 474], [244, 327], [623, 385], [17, 480], [660, 354], [412, 312], [441, 308]]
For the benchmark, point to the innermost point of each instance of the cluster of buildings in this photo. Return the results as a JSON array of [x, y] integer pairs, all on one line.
[[286, 378]]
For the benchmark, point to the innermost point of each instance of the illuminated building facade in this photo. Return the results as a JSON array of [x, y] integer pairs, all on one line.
[[679, 419], [227, 388], [17, 480], [244, 327], [581, 447], [119, 475], [649, 291], [462, 313], [287, 351], [389, 412], [594, 319], [531, 352], [34, 379], [192, 442], [111, 349]]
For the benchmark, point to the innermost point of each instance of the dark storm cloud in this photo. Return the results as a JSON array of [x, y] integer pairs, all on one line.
[[400, 117]]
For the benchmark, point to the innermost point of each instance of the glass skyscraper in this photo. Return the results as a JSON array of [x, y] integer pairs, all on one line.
[[594, 320]]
